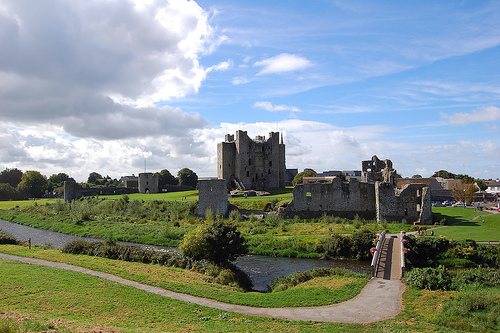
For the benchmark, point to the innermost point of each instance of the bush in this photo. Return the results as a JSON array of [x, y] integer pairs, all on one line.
[[425, 251], [229, 274], [429, 278], [361, 243], [5, 238], [217, 241]]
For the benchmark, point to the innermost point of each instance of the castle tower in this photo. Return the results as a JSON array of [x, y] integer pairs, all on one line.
[[252, 164]]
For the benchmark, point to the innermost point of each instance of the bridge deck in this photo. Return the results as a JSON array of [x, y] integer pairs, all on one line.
[[389, 264]]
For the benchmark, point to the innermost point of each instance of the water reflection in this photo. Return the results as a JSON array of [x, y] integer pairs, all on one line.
[[261, 269]]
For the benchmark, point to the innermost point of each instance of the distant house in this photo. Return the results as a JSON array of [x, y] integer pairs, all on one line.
[[431, 182], [493, 187], [347, 173], [129, 181], [440, 188]]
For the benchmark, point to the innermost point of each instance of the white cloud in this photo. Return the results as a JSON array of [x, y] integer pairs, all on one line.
[[282, 63], [97, 68], [268, 106], [240, 80], [482, 115]]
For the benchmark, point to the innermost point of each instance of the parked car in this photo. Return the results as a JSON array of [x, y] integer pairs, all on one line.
[[459, 204]]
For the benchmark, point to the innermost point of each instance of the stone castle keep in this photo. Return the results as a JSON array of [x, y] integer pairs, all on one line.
[[252, 164]]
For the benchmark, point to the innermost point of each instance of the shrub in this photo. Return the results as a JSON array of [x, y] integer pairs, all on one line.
[[5, 238], [111, 250], [425, 251], [361, 243], [429, 278], [217, 241]]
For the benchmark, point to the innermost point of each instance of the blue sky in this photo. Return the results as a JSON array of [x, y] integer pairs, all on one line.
[[105, 86]]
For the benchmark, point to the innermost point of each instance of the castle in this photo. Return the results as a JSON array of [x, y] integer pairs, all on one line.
[[252, 164], [375, 197]]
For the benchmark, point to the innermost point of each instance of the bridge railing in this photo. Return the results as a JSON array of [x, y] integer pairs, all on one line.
[[403, 251], [376, 254]]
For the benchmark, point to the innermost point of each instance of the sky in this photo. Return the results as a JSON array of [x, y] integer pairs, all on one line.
[[121, 87]]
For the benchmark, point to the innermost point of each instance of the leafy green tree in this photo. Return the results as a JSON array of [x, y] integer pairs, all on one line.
[[444, 174], [95, 178], [416, 176], [481, 184], [11, 176], [187, 177], [298, 177], [216, 240], [166, 178], [57, 181], [8, 192], [33, 184]]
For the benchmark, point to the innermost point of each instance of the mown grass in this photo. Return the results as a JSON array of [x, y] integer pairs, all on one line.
[[51, 298], [196, 284], [23, 203], [468, 226]]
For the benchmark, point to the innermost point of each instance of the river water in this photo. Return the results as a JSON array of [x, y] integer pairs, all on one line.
[[261, 269]]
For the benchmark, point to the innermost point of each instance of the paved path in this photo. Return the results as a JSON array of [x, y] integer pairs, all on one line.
[[380, 299]]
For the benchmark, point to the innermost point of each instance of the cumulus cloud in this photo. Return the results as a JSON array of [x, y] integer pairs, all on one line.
[[482, 115], [282, 63], [97, 68], [268, 106]]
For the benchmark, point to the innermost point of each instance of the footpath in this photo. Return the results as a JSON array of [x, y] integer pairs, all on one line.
[[380, 299]]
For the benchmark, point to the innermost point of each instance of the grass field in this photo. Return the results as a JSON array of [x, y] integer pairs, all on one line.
[[469, 224], [197, 284], [50, 298]]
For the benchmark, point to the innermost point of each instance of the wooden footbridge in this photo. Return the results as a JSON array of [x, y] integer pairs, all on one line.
[[388, 258]]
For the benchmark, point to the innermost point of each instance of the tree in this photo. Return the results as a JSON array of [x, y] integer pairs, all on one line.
[[166, 178], [33, 184], [8, 192], [481, 184], [444, 174], [187, 177], [298, 177], [416, 176], [57, 181], [217, 241], [11, 177], [464, 192], [94, 178]]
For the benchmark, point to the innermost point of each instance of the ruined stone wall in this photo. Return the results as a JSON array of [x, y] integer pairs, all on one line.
[[148, 182], [226, 160], [258, 164], [72, 191], [411, 203], [213, 195], [336, 198]]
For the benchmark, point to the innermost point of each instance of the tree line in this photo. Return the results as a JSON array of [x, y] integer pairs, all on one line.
[[18, 185]]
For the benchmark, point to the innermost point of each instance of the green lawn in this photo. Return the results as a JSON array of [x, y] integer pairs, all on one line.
[[197, 284], [48, 298], [23, 203], [469, 224]]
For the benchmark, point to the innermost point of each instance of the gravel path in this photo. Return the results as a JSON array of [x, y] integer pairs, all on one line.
[[380, 299]]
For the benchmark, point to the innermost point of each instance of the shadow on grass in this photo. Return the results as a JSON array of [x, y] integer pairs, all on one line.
[[437, 217], [468, 224]]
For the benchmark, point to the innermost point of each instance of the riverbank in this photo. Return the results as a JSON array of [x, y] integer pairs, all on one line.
[[336, 289]]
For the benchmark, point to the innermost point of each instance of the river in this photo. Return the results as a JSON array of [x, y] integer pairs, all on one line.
[[261, 269]]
